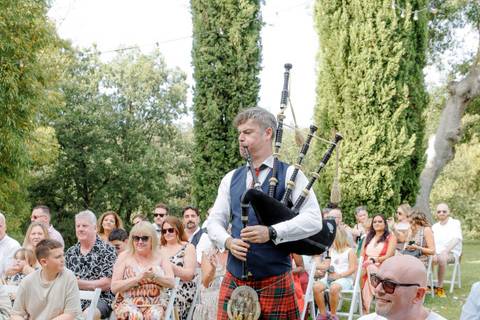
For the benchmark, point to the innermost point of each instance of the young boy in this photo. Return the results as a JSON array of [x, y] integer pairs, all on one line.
[[50, 292], [118, 238]]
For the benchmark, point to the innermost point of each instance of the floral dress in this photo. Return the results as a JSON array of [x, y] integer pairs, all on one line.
[[186, 289], [146, 301], [206, 309]]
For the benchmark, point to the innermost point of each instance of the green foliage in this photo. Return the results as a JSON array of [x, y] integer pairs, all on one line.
[[226, 59], [459, 187], [119, 148], [27, 89], [371, 89]]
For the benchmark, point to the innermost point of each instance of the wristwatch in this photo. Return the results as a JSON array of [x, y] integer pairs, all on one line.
[[272, 233]]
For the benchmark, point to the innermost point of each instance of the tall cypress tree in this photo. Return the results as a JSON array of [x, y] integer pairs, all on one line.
[[370, 88], [226, 60]]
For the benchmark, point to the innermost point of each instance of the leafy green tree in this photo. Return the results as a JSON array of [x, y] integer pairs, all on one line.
[[117, 138], [370, 88], [27, 90], [226, 60]]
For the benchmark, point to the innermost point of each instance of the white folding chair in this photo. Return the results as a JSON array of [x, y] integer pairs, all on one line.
[[356, 300], [456, 277], [92, 296], [309, 293], [430, 275], [456, 274], [171, 301]]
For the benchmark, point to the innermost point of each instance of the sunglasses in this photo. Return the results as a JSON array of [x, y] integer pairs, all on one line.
[[138, 238], [389, 285], [161, 215], [441, 211], [169, 230]]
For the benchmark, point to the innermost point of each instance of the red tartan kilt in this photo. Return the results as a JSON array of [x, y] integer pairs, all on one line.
[[277, 301]]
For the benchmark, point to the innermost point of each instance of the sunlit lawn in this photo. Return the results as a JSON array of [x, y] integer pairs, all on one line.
[[451, 307]]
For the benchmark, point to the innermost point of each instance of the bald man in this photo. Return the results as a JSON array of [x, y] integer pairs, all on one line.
[[400, 287]]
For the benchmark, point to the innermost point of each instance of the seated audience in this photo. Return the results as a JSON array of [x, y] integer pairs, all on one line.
[[402, 226], [92, 259], [50, 292], [175, 247], [339, 276], [5, 304], [138, 217], [118, 238], [140, 276], [400, 286], [8, 245], [24, 264], [42, 214], [419, 242], [448, 237], [213, 266], [106, 223], [358, 230], [471, 308], [378, 246]]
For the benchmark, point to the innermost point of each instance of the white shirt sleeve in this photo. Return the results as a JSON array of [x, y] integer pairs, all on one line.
[[308, 222], [219, 216], [204, 245]]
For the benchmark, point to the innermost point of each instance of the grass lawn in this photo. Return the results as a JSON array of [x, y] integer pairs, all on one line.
[[451, 307]]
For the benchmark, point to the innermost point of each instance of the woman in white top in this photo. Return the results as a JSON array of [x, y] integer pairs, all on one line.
[[343, 264]]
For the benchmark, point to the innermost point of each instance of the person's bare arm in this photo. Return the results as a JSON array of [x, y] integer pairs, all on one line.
[[16, 318], [208, 269], [187, 272], [167, 280], [65, 316], [102, 283], [390, 249]]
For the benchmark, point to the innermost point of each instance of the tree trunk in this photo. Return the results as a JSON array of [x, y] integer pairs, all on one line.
[[441, 146]]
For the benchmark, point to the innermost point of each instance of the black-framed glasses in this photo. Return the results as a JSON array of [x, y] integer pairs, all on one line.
[[142, 238], [388, 285], [169, 230], [161, 215]]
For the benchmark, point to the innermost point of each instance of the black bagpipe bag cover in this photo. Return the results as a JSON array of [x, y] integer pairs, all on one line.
[[270, 211]]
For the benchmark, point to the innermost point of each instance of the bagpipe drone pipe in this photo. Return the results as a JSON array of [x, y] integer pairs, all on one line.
[[270, 211]]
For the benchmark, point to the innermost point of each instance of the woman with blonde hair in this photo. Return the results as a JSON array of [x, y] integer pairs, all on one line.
[[36, 232], [107, 222], [140, 275], [182, 255], [339, 276], [401, 227]]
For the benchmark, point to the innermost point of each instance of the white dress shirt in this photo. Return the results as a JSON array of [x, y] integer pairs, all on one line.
[[308, 222]]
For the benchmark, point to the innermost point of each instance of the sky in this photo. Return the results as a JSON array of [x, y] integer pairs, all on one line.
[[288, 36]]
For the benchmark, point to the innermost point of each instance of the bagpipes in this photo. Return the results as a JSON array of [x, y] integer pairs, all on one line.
[[270, 211]]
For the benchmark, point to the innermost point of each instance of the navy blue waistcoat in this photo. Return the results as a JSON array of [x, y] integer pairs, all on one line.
[[265, 259]]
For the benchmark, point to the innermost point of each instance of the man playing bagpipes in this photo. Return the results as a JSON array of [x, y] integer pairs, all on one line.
[[254, 258]]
